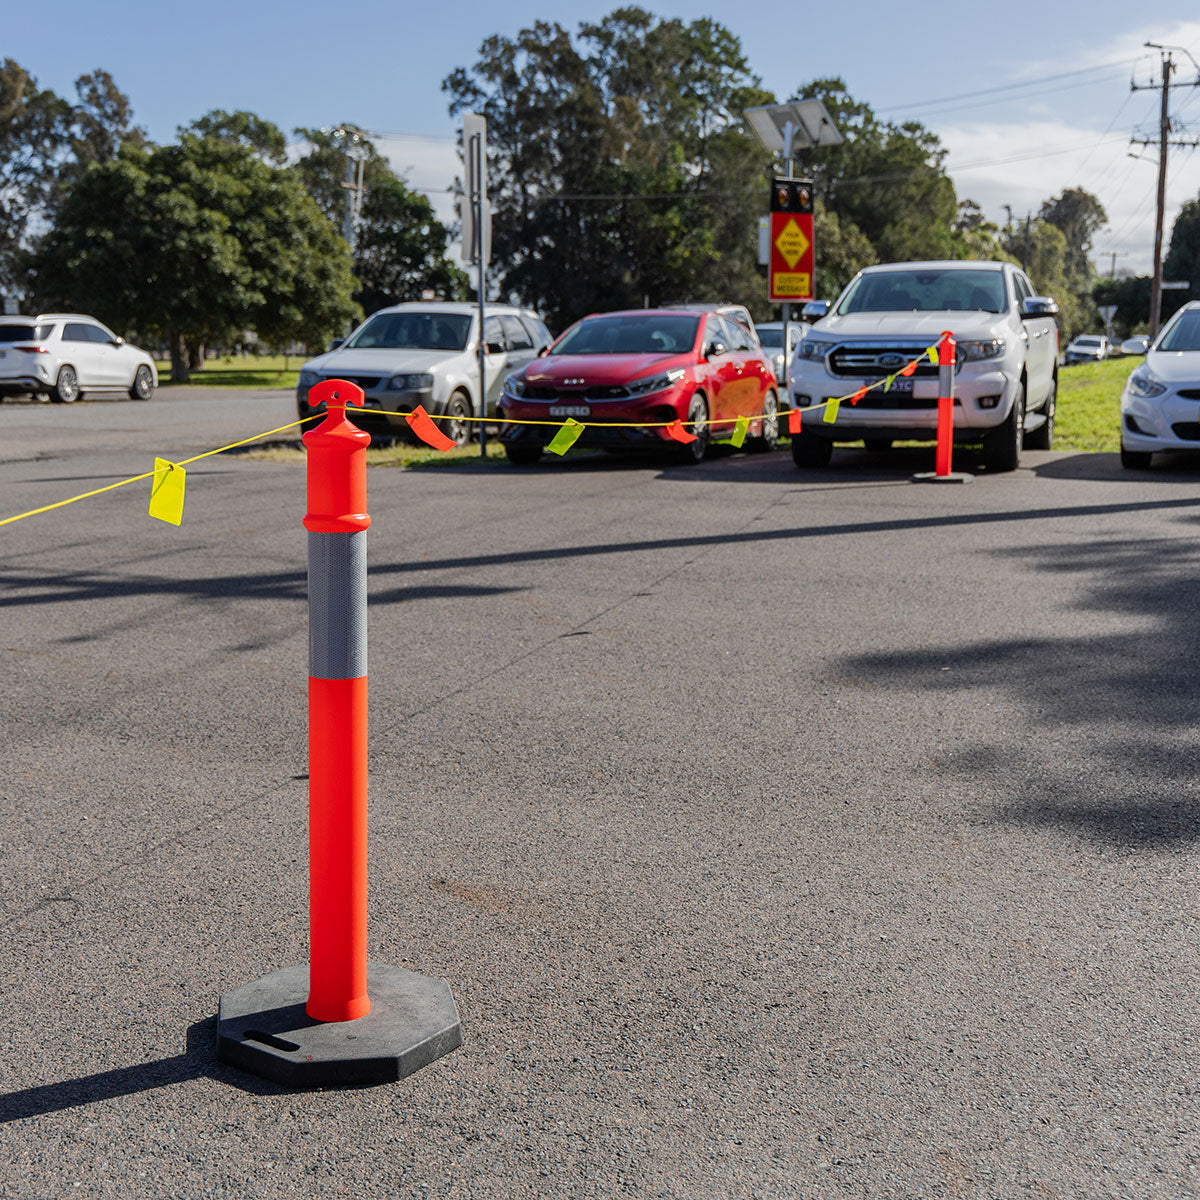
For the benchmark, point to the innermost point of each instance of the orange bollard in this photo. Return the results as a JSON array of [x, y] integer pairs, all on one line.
[[313, 1024], [337, 708], [945, 424]]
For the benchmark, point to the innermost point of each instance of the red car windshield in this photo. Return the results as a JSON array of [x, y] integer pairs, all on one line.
[[653, 333]]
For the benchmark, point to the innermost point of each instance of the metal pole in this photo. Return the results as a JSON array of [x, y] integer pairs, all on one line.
[[481, 284], [945, 424], [789, 135]]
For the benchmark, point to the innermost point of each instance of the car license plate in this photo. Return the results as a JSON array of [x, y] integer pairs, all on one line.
[[570, 410], [901, 383]]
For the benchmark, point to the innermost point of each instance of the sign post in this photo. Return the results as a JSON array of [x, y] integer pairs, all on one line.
[[477, 241]]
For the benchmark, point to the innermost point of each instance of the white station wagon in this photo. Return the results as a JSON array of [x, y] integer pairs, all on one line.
[[68, 355]]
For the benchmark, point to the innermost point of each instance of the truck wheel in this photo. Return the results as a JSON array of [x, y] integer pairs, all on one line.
[[810, 451], [1002, 448], [1042, 438]]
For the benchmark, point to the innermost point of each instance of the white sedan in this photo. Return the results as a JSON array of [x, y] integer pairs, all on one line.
[[1160, 404], [68, 355]]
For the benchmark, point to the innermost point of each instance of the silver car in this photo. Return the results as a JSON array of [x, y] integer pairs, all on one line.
[[68, 355], [427, 353]]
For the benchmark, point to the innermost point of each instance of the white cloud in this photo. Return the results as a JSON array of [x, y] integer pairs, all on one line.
[[1024, 165]]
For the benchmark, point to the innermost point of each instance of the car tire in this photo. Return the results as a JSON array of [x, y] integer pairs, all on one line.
[[1135, 460], [1002, 448], [769, 438], [455, 428], [522, 456], [66, 386], [697, 425], [878, 445], [1042, 438], [811, 451], [142, 387]]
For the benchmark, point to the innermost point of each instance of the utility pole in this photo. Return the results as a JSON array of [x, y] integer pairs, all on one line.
[[1114, 255], [1164, 142], [351, 137]]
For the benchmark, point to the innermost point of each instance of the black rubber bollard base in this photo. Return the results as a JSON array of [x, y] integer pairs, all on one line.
[[262, 1028], [953, 477]]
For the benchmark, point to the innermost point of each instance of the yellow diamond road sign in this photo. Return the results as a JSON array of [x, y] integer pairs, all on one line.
[[792, 243]]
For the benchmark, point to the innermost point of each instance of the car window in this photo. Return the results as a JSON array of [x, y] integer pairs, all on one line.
[[770, 339], [493, 331], [516, 333], [714, 331], [537, 331], [17, 333], [412, 331], [1024, 287], [731, 334], [932, 290], [652, 333], [99, 336], [1183, 334], [75, 332]]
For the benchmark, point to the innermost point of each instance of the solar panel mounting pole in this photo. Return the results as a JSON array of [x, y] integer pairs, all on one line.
[[477, 242]]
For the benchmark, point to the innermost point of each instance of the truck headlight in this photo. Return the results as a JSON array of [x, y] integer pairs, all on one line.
[[980, 351], [813, 348]]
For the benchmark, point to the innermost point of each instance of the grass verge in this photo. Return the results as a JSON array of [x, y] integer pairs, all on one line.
[[399, 454], [232, 371], [1089, 405]]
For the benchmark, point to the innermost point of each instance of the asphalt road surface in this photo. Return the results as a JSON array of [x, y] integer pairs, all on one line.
[[779, 833]]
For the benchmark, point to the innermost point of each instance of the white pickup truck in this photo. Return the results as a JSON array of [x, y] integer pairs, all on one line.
[[1006, 368]]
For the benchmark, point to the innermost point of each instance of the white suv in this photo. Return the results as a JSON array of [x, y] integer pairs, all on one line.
[[1006, 370], [427, 354], [67, 355]]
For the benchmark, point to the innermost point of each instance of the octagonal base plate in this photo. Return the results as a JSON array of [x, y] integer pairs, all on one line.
[[262, 1027]]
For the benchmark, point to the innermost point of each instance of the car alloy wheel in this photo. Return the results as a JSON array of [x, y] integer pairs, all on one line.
[[66, 386], [697, 425], [143, 384], [769, 438], [457, 429]]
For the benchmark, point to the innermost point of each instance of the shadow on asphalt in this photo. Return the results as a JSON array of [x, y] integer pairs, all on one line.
[[1167, 468], [198, 1061], [50, 588], [1132, 694]]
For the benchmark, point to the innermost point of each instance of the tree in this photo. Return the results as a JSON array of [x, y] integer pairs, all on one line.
[[400, 247], [888, 180], [1079, 215], [46, 143], [194, 242], [842, 250], [1183, 254], [616, 177]]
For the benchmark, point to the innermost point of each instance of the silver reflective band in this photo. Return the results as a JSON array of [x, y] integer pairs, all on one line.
[[337, 605], [946, 380]]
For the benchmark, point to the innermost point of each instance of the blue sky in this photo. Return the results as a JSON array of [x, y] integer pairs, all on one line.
[[1063, 117]]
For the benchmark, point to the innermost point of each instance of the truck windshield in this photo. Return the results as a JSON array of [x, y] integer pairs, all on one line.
[[949, 290], [413, 331]]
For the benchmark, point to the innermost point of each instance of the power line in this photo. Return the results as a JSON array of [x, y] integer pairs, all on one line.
[[1009, 87]]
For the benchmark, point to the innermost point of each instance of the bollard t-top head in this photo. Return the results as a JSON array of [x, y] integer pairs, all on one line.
[[337, 469]]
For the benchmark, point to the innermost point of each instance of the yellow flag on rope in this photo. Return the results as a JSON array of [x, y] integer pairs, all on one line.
[[933, 355], [887, 385], [166, 491], [831, 410], [566, 437], [739, 432]]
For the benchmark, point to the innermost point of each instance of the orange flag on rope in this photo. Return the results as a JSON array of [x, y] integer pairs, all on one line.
[[676, 432], [862, 391], [421, 423], [794, 421], [909, 368]]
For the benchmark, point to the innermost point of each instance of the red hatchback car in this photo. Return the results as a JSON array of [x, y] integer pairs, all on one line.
[[615, 371]]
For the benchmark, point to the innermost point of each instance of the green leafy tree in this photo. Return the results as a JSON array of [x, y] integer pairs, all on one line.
[[618, 178], [1080, 216], [400, 247], [842, 250], [1183, 256], [194, 242], [888, 180], [46, 144]]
